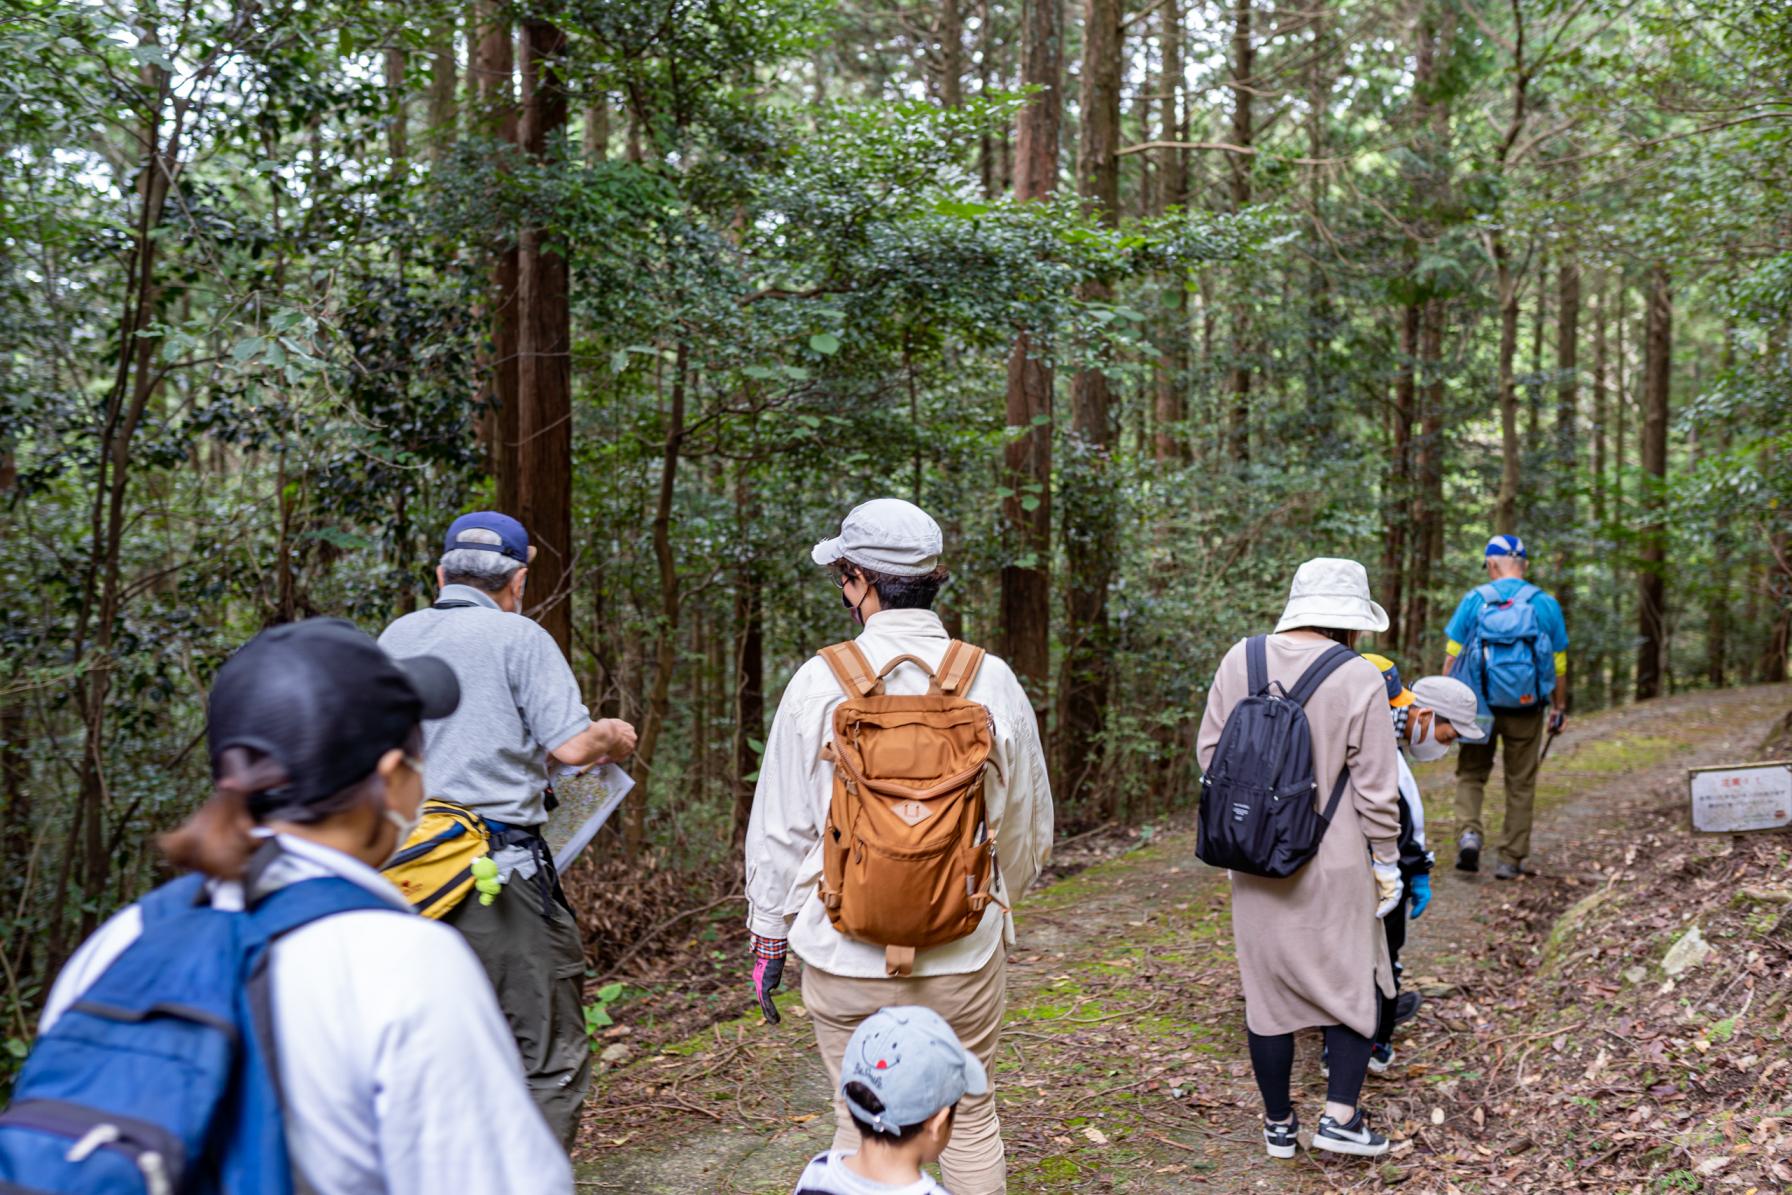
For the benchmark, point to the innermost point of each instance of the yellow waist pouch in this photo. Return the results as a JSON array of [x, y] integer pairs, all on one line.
[[439, 864]]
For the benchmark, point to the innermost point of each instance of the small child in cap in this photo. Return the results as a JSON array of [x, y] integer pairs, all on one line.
[[902, 1077]]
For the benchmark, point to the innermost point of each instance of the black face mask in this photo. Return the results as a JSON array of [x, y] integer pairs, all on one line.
[[857, 615]]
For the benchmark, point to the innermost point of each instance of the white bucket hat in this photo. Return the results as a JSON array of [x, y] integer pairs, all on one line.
[[1455, 703], [885, 535], [1332, 593]]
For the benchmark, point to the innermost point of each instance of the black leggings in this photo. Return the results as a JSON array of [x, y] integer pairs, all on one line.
[[1394, 924], [1272, 1058]]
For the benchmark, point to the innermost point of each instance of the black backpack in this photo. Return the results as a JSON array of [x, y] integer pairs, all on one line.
[[1257, 814]]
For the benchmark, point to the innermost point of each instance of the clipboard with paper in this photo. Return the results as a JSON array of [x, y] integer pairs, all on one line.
[[586, 801]]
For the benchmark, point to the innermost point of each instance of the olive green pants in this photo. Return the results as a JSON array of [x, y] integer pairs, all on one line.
[[1521, 738], [537, 968]]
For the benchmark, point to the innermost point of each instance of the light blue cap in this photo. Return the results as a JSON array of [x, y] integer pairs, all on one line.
[[1506, 545], [911, 1058]]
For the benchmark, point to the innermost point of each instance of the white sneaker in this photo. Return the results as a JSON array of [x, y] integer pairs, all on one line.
[[1355, 1138], [1280, 1139]]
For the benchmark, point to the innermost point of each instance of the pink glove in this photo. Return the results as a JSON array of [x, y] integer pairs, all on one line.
[[768, 972]]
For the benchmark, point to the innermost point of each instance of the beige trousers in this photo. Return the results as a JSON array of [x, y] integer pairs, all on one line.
[[973, 1005]]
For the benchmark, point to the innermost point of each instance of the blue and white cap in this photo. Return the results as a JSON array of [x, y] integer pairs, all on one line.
[[1506, 545], [500, 533], [911, 1058]]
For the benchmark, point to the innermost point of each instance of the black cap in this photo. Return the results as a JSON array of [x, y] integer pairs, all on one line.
[[325, 701]]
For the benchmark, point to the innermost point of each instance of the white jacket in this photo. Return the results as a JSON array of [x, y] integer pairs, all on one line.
[[400, 1074], [790, 804]]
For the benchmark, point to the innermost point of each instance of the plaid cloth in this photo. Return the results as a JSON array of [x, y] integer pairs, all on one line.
[[769, 948]]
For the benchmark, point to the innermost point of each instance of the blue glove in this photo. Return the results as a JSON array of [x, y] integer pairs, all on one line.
[[1418, 890]]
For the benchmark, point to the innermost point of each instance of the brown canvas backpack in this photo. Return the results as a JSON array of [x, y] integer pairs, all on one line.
[[907, 857]]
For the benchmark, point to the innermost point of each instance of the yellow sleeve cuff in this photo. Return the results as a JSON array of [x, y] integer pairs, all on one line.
[[1452, 649], [1561, 663]]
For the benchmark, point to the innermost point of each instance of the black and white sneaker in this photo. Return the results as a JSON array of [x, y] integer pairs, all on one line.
[[1355, 1138], [1406, 1007], [1381, 1057], [1280, 1139], [1468, 851]]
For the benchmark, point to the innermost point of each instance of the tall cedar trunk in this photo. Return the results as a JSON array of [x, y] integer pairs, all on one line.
[[1397, 492], [595, 137], [398, 125], [987, 166], [1601, 365], [749, 665], [1533, 390], [443, 75], [1428, 465], [1422, 326], [665, 639], [16, 820], [1506, 281], [544, 354], [1027, 458], [950, 35], [1170, 438], [1779, 594], [1088, 525], [1238, 385], [495, 76], [1626, 375], [1567, 454], [1651, 580]]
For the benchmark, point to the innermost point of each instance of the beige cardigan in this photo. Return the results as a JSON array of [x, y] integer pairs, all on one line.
[[1310, 949]]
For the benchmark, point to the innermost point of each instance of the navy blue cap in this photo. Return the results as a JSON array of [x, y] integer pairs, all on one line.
[[1506, 545], [325, 701], [513, 541]]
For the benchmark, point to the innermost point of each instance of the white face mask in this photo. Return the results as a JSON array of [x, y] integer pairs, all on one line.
[[406, 826], [1424, 745]]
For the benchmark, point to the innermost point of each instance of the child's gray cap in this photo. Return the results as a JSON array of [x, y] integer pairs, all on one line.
[[911, 1058]]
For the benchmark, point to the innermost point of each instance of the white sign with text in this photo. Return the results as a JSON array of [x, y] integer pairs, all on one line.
[[1754, 796]]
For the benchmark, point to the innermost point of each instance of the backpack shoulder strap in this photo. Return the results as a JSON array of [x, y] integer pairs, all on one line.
[[854, 672], [1489, 595], [299, 904], [959, 668], [1525, 593], [1335, 657], [1256, 663], [173, 898]]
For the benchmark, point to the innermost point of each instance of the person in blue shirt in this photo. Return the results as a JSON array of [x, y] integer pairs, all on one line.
[[1519, 727]]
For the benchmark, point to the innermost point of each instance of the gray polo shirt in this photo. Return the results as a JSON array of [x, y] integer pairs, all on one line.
[[518, 702]]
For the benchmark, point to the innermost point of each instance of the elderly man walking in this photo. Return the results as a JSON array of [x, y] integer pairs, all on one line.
[[519, 710], [900, 736], [1508, 643]]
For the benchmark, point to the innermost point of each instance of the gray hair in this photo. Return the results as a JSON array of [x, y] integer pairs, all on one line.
[[488, 572]]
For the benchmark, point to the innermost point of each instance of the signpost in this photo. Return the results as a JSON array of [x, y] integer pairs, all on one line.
[[1738, 797]]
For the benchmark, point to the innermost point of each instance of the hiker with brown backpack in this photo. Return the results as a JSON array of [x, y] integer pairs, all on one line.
[[902, 805]]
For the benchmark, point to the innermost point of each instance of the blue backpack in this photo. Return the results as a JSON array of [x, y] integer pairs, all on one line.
[[161, 1079], [1511, 662]]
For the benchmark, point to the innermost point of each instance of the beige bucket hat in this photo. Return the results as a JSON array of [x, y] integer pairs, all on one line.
[[1334, 593]]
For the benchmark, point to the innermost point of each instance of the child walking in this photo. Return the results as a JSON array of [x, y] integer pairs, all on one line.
[[902, 1077]]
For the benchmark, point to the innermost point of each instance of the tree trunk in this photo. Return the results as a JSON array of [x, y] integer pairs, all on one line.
[[596, 133], [1506, 508], [1601, 366], [397, 116], [443, 76], [1238, 385], [1428, 547], [1620, 444], [544, 356], [1170, 432], [1397, 491], [949, 33], [495, 75], [1026, 511], [749, 667], [1651, 580], [665, 653], [1567, 454], [1084, 479]]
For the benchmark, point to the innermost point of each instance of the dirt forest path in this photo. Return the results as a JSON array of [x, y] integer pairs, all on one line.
[[1122, 1065]]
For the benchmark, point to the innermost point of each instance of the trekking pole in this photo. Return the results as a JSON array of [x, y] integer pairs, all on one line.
[[1548, 740]]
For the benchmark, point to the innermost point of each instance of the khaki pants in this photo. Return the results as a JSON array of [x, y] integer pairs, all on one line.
[[1522, 738], [537, 968], [972, 1004]]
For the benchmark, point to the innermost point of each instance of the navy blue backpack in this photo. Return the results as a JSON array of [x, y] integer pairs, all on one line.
[[161, 1078], [1257, 811]]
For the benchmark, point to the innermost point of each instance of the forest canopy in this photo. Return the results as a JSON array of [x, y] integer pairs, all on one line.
[[1144, 302]]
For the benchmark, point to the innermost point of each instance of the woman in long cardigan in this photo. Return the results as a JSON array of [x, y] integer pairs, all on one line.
[[1311, 950]]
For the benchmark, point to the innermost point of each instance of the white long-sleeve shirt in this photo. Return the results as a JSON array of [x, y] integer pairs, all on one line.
[[790, 804], [400, 1075]]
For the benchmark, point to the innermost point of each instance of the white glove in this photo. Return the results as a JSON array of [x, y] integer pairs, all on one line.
[[1388, 888]]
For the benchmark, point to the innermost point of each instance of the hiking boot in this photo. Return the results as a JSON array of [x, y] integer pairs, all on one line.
[[1381, 1056], [1355, 1138], [1468, 851], [1508, 871], [1280, 1139], [1406, 1007]]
